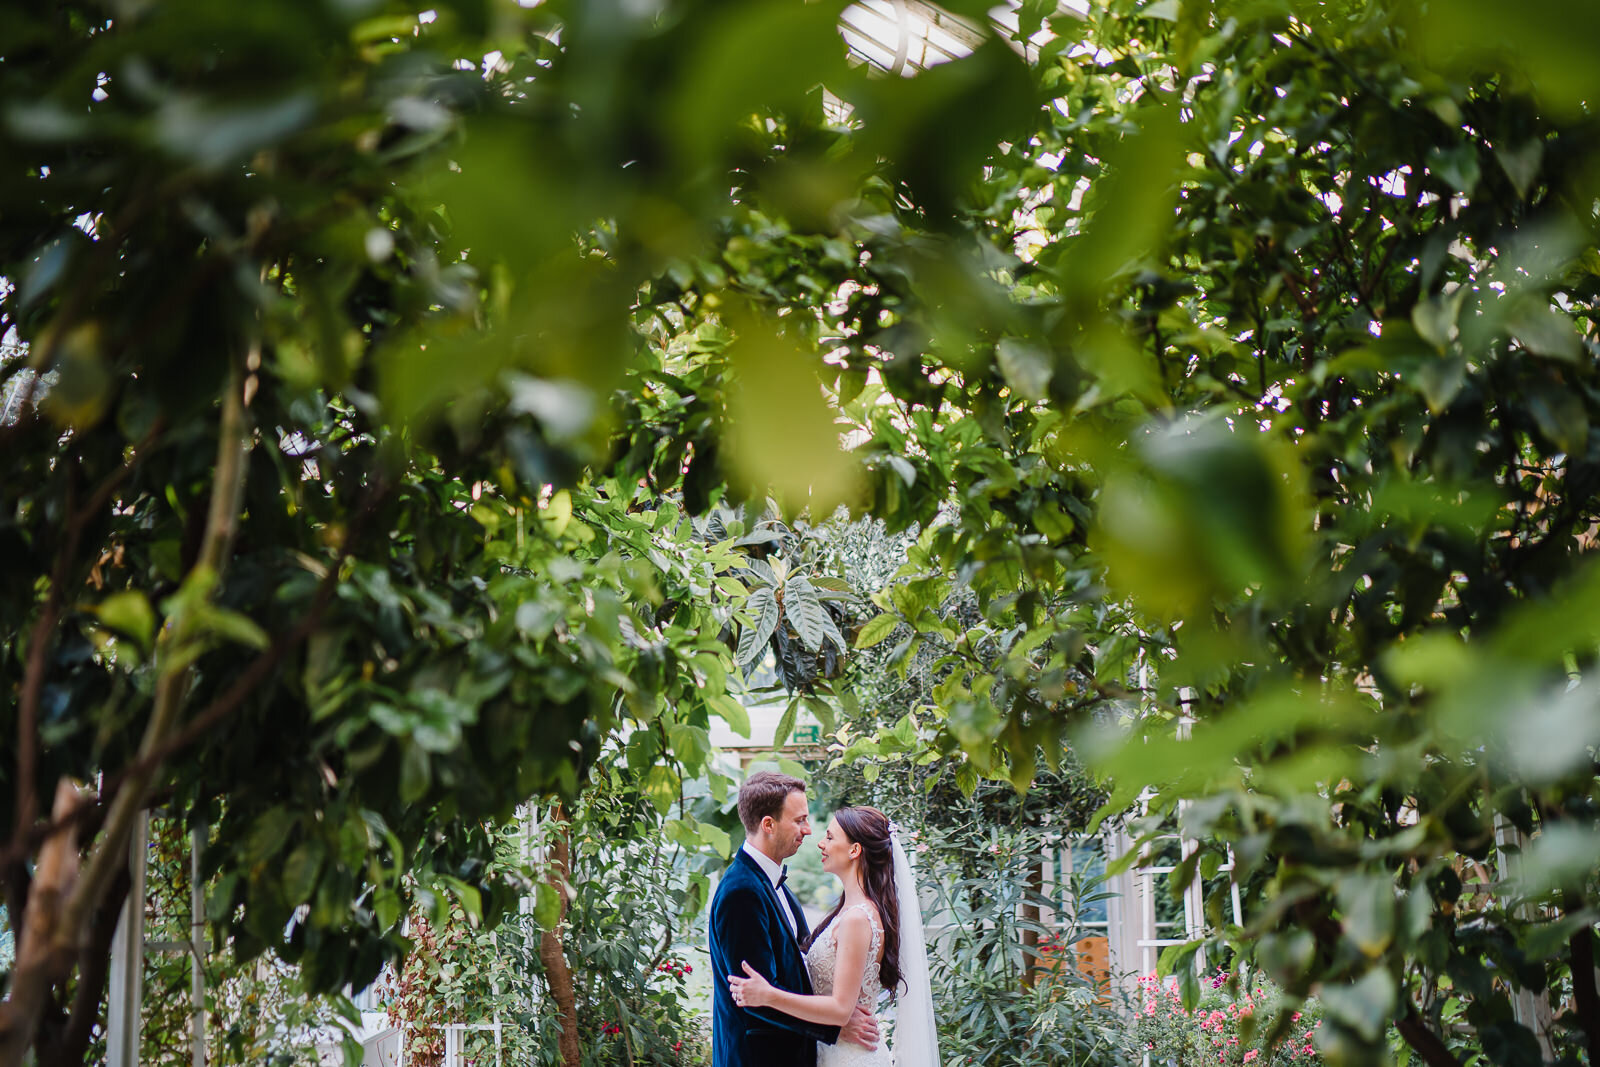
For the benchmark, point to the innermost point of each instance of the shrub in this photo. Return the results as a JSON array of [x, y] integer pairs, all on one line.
[[1231, 1025]]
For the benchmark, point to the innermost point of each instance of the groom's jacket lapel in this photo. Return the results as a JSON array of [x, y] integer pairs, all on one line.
[[802, 929], [772, 897]]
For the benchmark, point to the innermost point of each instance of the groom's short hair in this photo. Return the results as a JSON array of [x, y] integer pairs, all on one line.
[[764, 793]]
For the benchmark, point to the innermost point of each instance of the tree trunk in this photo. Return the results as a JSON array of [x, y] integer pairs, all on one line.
[[40, 962], [71, 1043], [1031, 968], [1585, 998], [552, 953]]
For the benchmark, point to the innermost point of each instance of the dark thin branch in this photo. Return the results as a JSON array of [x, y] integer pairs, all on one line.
[[1426, 1043], [1585, 997], [39, 642], [33, 675], [220, 708]]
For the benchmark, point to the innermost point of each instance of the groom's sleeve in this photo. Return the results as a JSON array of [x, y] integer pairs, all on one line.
[[744, 935]]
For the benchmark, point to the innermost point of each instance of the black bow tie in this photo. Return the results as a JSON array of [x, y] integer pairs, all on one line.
[[783, 876]]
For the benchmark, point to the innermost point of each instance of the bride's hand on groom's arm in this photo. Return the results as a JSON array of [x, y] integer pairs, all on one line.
[[753, 991]]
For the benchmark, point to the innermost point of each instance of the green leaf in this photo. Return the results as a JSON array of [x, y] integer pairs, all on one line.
[[416, 772], [877, 629], [1368, 905], [1561, 417], [763, 604], [1457, 166], [1563, 855], [547, 906], [1027, 367], [129, 613], [300, 871], [1365, 1005], [1435, 318], [805, 612], [780, 737], [1189, 986], [717, 838], [731, 711], [779, 432], [267, 836], [794, 768], [691, 744], [1521, 164], [219, 901], [1544, 331], [386, 908], [661, 786], [1285, 956], [230, 625]]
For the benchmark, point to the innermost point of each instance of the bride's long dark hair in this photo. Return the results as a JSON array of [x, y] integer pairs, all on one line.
[[869, 828]]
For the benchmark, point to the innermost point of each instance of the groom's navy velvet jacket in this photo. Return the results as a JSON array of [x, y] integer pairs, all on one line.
[[747, 925]]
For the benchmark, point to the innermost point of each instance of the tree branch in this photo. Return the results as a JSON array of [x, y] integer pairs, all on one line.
[[1425, 1042], [213, 715], [39, 958], [94, 966], [233, 449], [66, 933]]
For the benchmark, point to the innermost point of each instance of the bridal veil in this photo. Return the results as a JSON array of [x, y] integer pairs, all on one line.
[[916, 1039]]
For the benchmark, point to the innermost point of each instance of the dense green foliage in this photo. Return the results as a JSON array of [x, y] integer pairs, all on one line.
[[1330, 429], [328, 307], [1233, 363]]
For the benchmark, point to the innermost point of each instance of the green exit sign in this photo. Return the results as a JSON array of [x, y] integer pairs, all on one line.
[[806, 734]]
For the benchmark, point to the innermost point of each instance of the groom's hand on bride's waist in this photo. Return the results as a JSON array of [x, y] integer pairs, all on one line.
[[862, 1029]]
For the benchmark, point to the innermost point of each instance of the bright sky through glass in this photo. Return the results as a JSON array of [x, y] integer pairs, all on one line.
[[905, 36]]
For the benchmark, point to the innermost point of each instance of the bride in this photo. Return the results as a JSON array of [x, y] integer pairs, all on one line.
[[872, 941]]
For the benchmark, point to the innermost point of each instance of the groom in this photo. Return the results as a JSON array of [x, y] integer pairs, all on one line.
[[756, 919]]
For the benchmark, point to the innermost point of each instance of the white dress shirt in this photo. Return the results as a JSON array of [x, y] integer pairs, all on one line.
[[773, 871]]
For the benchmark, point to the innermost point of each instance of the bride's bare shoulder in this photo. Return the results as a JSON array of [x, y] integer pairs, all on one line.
[[853, 922]]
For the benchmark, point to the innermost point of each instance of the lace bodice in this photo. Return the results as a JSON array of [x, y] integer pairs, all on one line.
[[823, 957], [822, 960]]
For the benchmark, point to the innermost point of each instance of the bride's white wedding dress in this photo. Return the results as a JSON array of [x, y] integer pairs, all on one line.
[[822, 961]]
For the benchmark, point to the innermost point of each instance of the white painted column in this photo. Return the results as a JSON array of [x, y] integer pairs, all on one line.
[[197, 950], [127, 958]]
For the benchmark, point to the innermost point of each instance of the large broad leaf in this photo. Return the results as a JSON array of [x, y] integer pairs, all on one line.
[[762, 570], [831, 631], [763, 605], [805, 612]]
